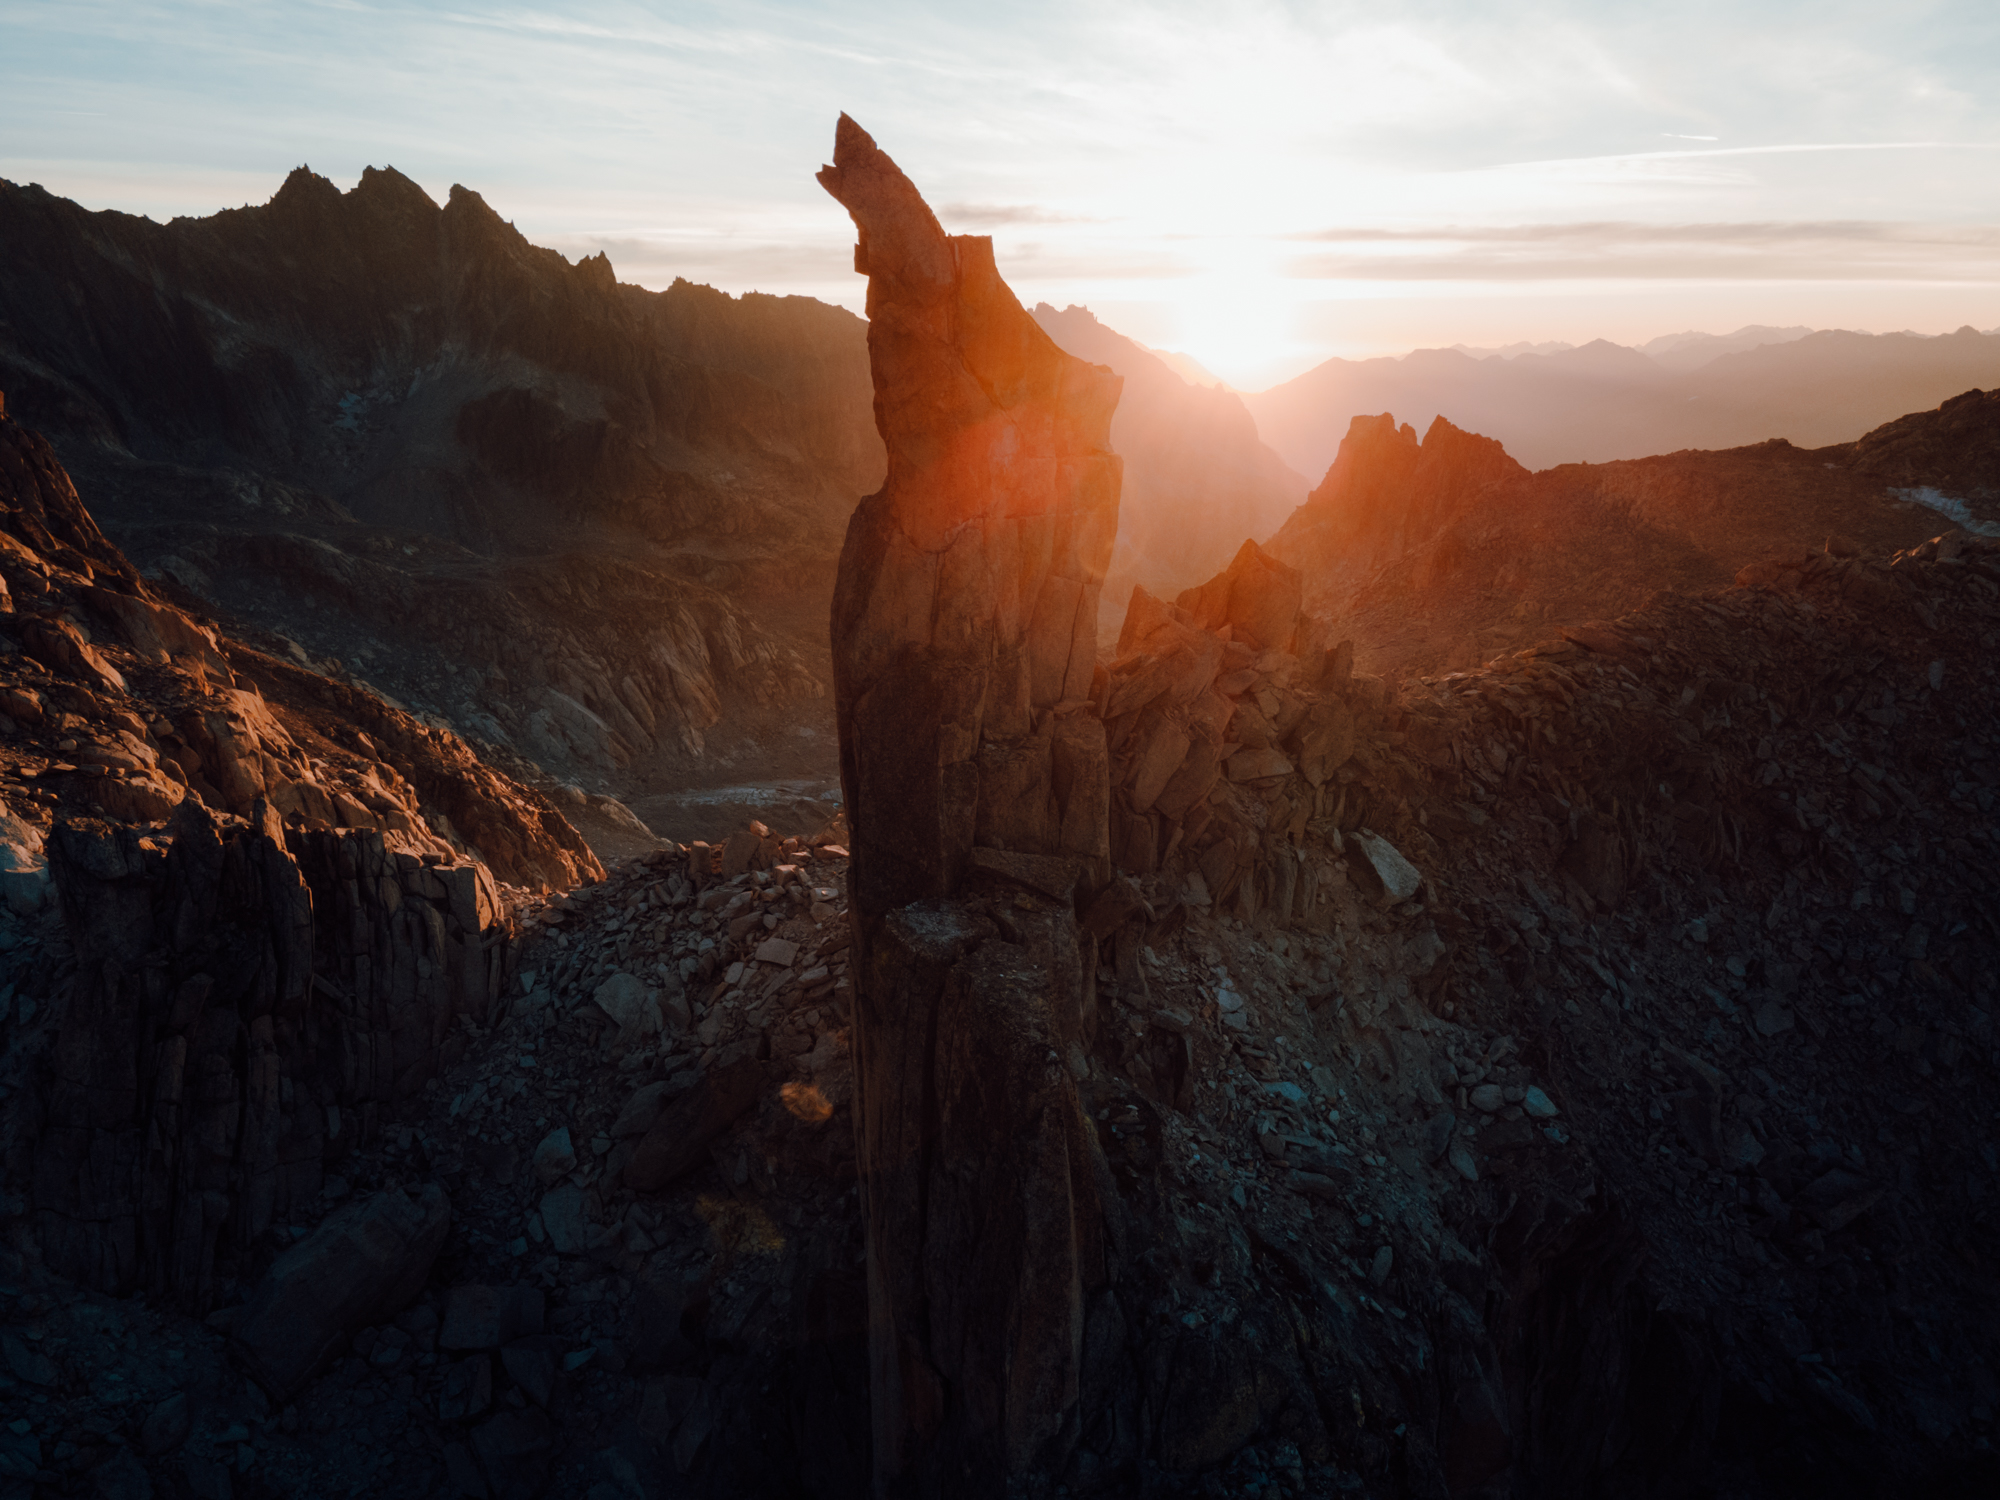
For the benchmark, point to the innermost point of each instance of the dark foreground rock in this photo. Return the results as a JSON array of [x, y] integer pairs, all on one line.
[[364, 1265]]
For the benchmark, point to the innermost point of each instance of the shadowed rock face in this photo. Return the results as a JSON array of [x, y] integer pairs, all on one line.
[[282, 890], [964, 616]]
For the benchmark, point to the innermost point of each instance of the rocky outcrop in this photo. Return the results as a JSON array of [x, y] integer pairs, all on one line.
[[126, 704], [964, 634], [1387, 496], [995, 790], [1953, 451], [1444, 554], [269, 914]]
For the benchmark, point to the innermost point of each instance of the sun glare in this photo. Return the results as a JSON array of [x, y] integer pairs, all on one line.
[[1243, 330]]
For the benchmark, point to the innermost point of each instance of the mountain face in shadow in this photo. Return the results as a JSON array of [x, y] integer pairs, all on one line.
[[1197, 477], [1603, 402], [1444, 553], [576, 517]]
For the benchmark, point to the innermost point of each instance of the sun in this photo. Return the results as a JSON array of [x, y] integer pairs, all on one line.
[[1241, 320]]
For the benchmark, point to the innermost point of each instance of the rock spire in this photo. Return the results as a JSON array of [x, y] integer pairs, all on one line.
[[964, 619]]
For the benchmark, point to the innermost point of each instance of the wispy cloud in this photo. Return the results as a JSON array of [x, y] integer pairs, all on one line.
[[994, 215], [1837, 250]]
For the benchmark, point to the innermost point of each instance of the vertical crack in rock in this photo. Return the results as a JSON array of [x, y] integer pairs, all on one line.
[[964, 642]]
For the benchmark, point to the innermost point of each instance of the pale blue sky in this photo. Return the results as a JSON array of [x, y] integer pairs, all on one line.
[[1260, 184]]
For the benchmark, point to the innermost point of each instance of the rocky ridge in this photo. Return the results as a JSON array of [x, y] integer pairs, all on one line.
[[1445, 553]]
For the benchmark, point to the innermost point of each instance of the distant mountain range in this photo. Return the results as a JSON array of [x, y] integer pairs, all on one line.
[[1679, 351], [1603, 401], [583, 520]]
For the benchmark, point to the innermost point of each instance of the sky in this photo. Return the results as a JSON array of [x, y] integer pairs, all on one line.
[[1262, 186]]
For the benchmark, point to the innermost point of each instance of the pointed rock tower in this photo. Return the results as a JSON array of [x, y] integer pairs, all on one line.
[[965, 616], [977, 784]]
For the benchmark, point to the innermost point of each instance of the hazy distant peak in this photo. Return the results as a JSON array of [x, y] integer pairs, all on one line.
[[1678, 351], [1512, 351], [1691, 350]]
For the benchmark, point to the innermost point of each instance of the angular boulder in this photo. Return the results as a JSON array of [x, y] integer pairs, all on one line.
[[1256, 597], [1382, 867], [361, 1266], [680, 1133]]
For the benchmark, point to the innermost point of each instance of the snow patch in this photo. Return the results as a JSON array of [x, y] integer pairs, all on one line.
[[1947, 505]]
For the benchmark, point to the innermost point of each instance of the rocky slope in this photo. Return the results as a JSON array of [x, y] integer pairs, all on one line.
[[1443, 553], [239, 899], [583, 520], [1613, 1143], [1584, 1117], [1197, 479]]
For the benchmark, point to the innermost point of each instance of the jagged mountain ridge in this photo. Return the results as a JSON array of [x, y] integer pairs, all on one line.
[[1444, 553], [237, 896], [376, 424], [1603, 402]]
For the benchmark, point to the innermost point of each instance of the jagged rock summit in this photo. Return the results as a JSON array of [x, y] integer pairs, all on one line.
[[964, 618]]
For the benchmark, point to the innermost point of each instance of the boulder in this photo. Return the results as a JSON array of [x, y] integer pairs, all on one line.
[[24, 868], [1256, 598], [642, 1109], [555, 1157], [1323, 740], [487, 1317], [1156, 762], [565, 1220], [1254, 765], [1193, 779], [623, 997], [360, 1267], [680, 1135], [1392, 877], [1053, 876]]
